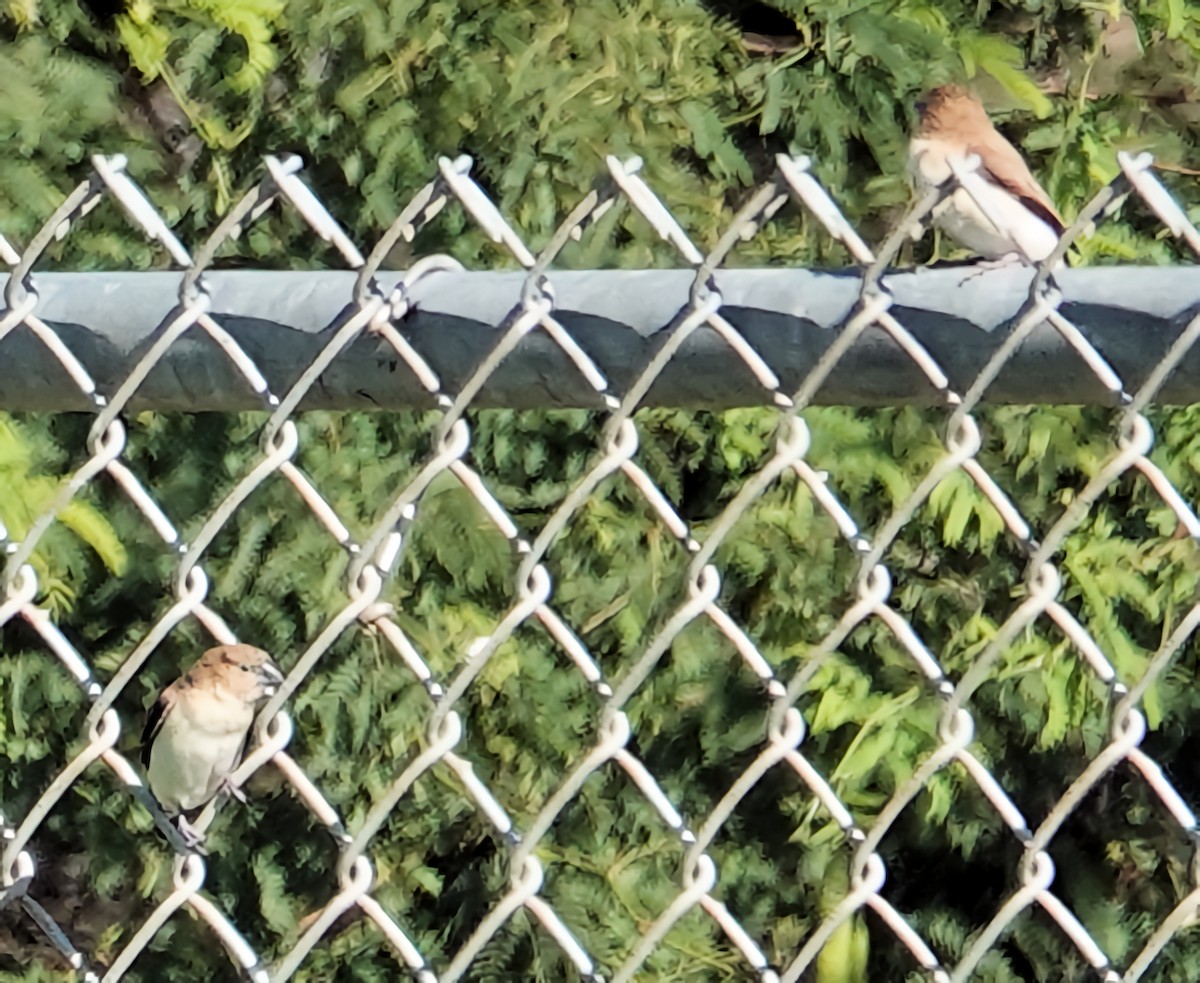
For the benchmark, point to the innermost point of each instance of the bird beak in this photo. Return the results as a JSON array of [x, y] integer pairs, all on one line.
[[270, 676]]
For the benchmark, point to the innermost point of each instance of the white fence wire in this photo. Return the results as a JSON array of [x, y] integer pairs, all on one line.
[[378, 308]]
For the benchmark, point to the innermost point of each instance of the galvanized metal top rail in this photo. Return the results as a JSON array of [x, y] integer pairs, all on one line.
[[283, 319]]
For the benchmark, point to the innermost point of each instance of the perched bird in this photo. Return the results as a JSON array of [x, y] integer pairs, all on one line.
[[197, 731], [1018, 218]]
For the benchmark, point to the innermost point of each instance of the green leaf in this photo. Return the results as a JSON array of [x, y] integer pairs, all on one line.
[[712, 141], [1176, 15], [1005, 62], [772, 110]]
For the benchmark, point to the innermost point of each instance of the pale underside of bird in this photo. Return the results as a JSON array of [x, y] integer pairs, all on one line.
[[1009, 215], [197, 730]]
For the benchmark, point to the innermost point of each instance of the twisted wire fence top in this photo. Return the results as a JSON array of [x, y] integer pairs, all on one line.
[[374, 554]]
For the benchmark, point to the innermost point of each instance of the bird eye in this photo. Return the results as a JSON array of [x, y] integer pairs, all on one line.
[[245, 668]]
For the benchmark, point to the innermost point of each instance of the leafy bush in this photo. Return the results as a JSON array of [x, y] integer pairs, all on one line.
[[538, 93]]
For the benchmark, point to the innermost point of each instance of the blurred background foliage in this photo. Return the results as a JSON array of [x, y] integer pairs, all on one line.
[[370, 94]]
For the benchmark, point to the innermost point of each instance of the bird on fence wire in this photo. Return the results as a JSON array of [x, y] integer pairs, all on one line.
[[197, 730], [1014, 218]]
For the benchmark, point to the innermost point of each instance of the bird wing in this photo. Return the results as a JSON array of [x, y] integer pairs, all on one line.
[[1003, 165], [154, 720]]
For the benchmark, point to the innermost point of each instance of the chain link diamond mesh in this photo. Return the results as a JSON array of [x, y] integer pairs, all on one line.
[[378, 307]]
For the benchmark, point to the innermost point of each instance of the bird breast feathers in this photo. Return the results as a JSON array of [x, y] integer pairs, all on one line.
[[929, 162], [213, 711]]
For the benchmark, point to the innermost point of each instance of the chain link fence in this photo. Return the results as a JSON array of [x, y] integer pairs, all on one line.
[[378, 307]]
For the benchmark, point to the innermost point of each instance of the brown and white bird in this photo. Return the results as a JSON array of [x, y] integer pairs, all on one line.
[[1017, 218], [197, 731]]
